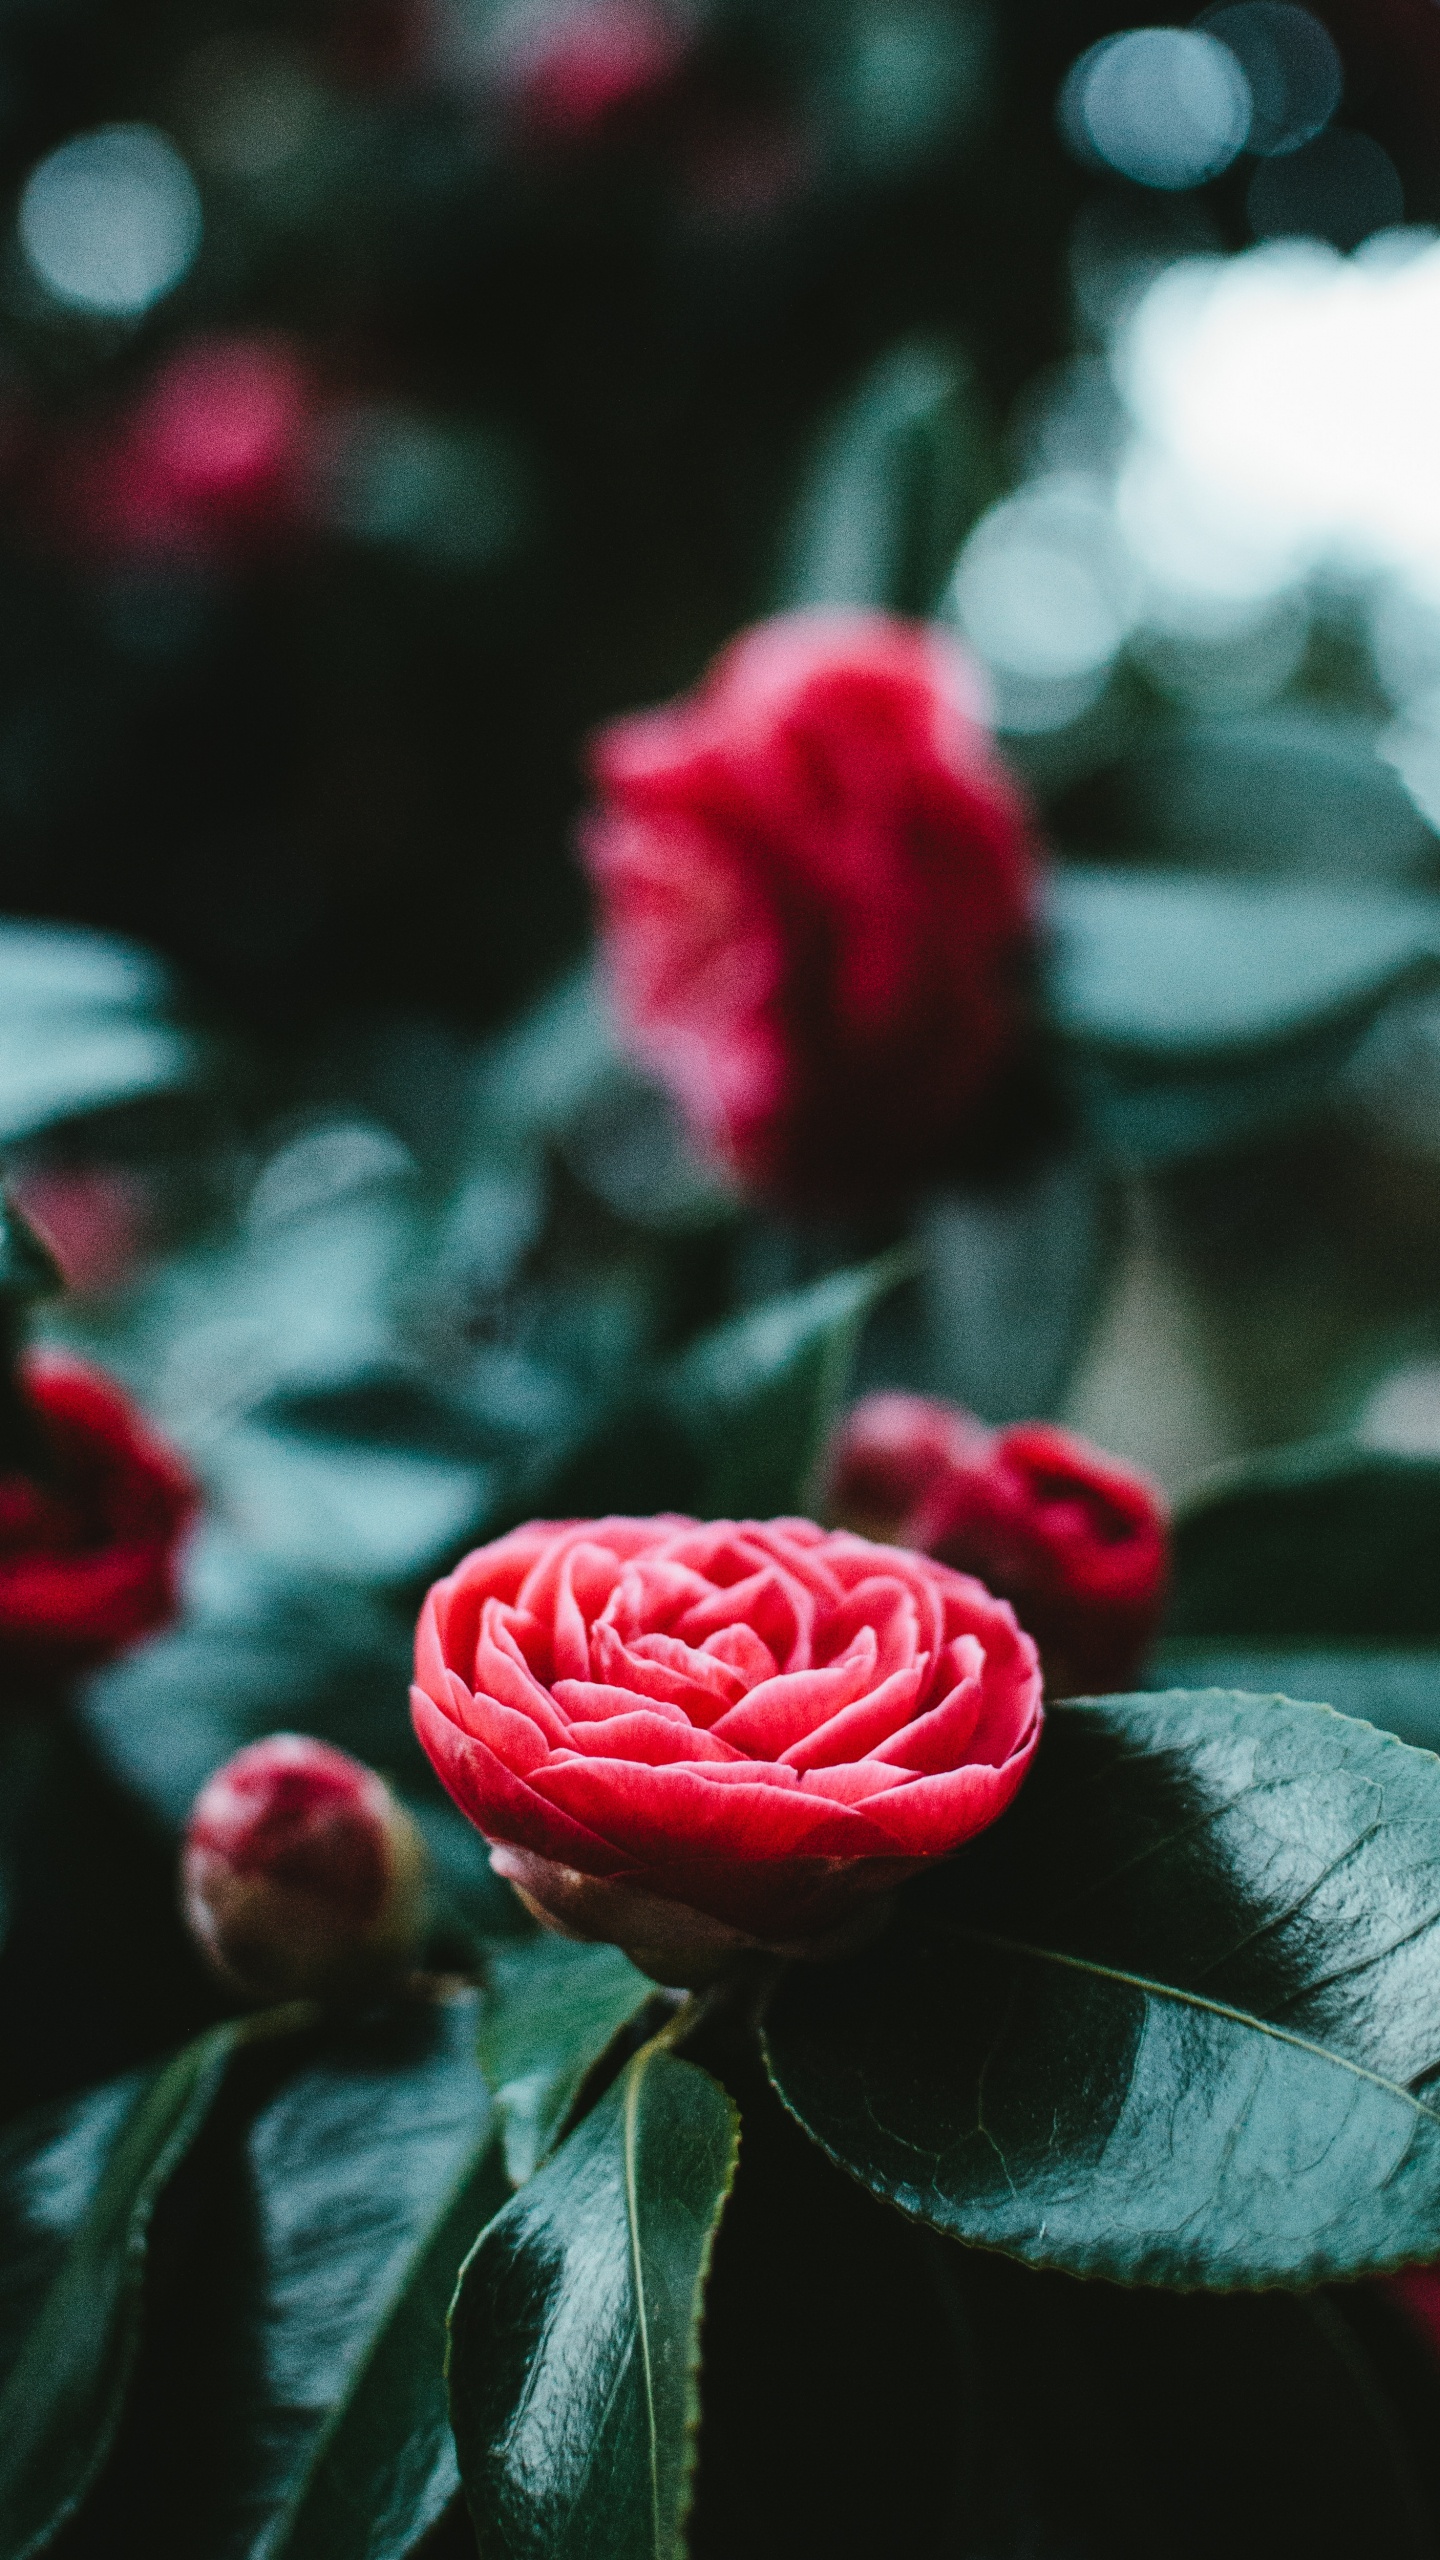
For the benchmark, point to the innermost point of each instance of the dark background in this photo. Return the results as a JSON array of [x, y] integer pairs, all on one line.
[[323, 771]]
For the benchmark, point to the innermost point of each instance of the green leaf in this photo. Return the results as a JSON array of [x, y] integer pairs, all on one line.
[[552, 2006], [895, 483], [51, 2163], [294, 2323], [1201, 1011], [1182, 967], [1010, 1285], [1300, 789], [1394, 1687], [1175, 2020], [757, 1397], [384, 2468], [28, 1269], [61, 2405], [82, 1028], [575, 2333], [872, 2390], [1324, 1539]]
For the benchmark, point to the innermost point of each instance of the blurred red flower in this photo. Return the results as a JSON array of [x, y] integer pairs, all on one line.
[[88, 1553], [816, 893], [210, 460], [569, 70], [1075, 1540]]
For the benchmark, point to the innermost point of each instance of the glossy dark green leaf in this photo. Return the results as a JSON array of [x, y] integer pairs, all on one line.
[[1325, 1539], [1175, 2020], [893, 486], [757, 1396], [1392, 1686], [51, 2163], [871, 2389], [551, 2008], [292, 2367], [575, 2334], [62, 2402], [384, 2470]]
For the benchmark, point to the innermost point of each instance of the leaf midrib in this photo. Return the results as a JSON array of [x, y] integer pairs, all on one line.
[[634, 2082], [1197, 2000]]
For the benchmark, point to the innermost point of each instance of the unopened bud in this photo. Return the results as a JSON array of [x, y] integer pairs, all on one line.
[[888, 1456], [302, 1875]]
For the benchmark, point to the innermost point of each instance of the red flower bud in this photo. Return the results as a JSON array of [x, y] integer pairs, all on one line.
[[816, 887], [890, 1454], [302, 1876], [1075, 1540], [89, 1537]]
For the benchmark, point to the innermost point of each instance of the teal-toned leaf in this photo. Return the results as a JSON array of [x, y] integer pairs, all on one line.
[[1010, 1284], [1182, 967], [757, 1397], [1143, 1117], [61, 2405], [1200, 1012], [1299, 789], [552, 2007], [893, 487], [1325, 1539], [82, 1028], [575, 2334], [544, 1069], [1392, 1686], [56, 968], [1175, 2020], [260, 1651], [70, 1068]]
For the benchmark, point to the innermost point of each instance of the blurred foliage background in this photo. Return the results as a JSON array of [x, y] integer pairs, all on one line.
[[390, 391]]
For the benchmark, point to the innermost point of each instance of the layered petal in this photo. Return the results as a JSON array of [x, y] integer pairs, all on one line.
[[755, 1720]]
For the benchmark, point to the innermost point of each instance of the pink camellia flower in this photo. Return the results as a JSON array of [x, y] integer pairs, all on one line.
[[89, 1540], [816, 894], [301, 1874], [1076, 1541], [210, 460], [693, 1738]]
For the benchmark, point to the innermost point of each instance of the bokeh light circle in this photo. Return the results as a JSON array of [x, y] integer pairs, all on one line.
[[111, 221], [1166, 106], [1294, 71]]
